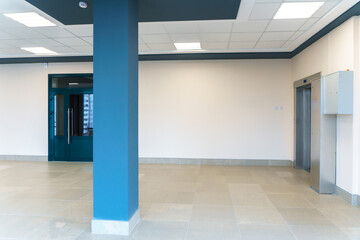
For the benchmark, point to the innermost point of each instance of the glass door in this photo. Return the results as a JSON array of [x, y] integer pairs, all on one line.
[[71, 112]]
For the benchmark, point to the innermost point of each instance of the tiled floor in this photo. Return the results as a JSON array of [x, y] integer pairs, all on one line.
[[54, 201]]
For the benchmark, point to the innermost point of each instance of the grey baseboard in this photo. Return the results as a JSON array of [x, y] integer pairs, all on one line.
[[230, 162], [351, 198], [25, 158]]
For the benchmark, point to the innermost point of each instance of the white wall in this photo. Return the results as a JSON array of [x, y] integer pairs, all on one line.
[[188, 109], [24, 106], [216, 109], [336, 52]]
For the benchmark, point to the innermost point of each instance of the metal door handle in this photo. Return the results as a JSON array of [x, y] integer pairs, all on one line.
[[72, 122], [68, 112]]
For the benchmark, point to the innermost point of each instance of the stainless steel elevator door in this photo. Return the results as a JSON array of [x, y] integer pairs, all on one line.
[[303, 128]]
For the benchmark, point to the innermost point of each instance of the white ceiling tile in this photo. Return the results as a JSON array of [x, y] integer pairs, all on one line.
[[24, 32], [325, 9], [215, 37], [214, 45], [46, 42], [151, 28], [296, 35], [81, 30], [251, 26], [89, 40], [241, 45], [18, 51], [72, 41], [272, 44], [308, 24], [285, 25], [19, 43], [4, 45], [276, 36], [264, 10], [215, 26], [181, 27], [156, 38], [11, 6], [83, 49], [62, 50], [162, 47], [6, 22], [54, 32], [245, 37], [4, 35], [143, 48], [287, 44], [192, 37]]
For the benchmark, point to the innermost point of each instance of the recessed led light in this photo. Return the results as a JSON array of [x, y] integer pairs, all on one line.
[[295, 10], [38, 50], [83, 4], [188, 46], [30, 19]]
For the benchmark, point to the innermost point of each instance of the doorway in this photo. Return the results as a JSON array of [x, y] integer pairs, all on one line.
[[303, 127], [71, 110]]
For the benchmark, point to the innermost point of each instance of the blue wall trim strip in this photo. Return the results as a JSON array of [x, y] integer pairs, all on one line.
[[354, 11]]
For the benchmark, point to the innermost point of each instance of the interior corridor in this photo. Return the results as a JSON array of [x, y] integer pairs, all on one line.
[[52, 200]]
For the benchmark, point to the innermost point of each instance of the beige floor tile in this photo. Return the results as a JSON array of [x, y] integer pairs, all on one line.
[[60, 229], [212, 198], [55, 201], [304, 216], [246, 188], [212, 231], [148, 230], [289, 201], [79, 209], [265, 232], [352, 233], [258, 216], [318, 233], [343, 217], [179, 197], [251, 200], [213, 214], [18, 227], [70, 194], [168, 212], [212, 187]]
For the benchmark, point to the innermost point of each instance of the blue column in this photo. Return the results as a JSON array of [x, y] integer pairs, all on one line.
[[115, 116]]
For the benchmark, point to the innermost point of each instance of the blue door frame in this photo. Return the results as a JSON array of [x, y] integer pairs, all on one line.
[[67, 146]]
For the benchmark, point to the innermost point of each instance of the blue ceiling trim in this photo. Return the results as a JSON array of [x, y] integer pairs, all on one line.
[[68, 12], [354, 11], [187, 10], [46, 59], [214, 56]]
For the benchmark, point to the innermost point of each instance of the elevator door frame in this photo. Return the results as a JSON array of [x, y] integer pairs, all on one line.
[[305, 82], [66, 92]]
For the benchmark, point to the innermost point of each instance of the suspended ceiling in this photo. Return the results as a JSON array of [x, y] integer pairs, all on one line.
[[253, 30]]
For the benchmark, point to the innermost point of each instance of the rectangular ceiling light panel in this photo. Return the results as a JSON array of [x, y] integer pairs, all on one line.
[[30, 19], [296, 10], [39, 50], [188, 46]]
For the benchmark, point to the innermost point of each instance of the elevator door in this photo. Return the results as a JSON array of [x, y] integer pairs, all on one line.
[[303, 128], [71, 122]]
